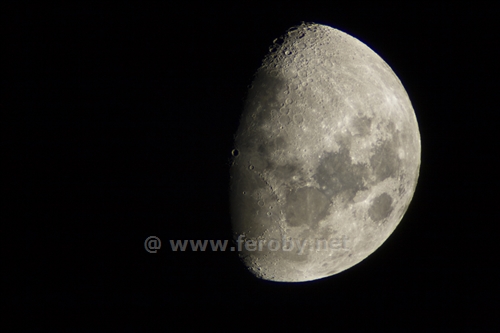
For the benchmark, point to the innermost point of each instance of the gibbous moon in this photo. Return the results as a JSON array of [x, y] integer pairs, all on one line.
[[326, 157]]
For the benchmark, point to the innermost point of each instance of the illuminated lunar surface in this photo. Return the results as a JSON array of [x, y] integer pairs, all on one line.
[[327, 157]]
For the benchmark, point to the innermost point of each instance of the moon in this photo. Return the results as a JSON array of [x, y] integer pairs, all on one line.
[[326, 157]]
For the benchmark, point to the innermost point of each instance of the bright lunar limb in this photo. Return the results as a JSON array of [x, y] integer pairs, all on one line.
[[328, 156]]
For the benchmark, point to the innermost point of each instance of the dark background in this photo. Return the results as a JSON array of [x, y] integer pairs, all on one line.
[[118, 121]]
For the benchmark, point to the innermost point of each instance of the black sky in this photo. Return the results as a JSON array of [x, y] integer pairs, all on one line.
[[118, 121]]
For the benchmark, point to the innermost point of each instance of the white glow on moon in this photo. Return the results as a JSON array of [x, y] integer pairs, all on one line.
[[328, 145]]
